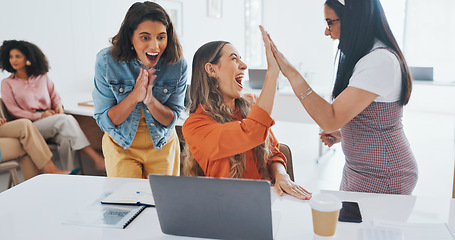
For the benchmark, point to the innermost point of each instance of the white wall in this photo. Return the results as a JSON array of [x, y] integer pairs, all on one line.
[[199, 29], [71, 32], [297, 27]]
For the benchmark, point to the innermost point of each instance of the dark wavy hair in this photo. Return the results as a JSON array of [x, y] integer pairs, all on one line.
[[138, 13], [39, 64], [361, 23]]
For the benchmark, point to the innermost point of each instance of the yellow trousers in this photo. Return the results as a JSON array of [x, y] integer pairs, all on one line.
[[141, 158]]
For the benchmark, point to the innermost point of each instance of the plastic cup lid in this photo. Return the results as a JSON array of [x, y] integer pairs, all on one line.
[[325, 202]]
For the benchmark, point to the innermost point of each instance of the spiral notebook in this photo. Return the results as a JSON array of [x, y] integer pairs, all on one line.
[[105, 215]]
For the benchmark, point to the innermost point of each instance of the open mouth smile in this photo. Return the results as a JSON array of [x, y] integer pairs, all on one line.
[[152, 57], [239, 79]]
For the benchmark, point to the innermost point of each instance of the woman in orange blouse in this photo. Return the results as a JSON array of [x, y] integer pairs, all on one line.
[[227, 134]]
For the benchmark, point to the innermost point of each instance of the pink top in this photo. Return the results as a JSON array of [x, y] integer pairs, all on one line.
[[25, 99]]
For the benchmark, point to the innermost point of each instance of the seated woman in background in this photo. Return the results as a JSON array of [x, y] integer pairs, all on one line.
[[20, 139], [29, 93], [227, 134]]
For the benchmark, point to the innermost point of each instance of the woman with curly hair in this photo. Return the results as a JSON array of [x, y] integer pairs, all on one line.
[[29, 93], [227, 134]]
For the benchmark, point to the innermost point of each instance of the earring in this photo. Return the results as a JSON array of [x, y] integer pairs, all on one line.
[[132, 47], [28, 63]]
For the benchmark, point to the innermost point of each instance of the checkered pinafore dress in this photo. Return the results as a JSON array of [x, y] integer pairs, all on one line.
[[378, 156]]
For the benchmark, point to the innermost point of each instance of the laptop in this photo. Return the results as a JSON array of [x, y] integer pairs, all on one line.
[[422, 73], [219, 208], [257, 78]]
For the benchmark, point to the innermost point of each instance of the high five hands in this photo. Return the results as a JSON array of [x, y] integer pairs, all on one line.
[[284, 65], [272, 64]]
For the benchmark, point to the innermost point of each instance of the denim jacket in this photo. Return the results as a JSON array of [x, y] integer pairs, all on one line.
[[115, 80]]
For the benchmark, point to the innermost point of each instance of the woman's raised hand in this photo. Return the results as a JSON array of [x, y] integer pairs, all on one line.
[[2, 121], [267, 96], [285, 66], [272, 65]]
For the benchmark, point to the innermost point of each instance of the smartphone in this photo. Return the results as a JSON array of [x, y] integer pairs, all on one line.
[[350, 212]]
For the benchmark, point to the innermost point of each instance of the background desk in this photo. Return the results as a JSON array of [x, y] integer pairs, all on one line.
[[84, 115], [287, 108], [35, 209]]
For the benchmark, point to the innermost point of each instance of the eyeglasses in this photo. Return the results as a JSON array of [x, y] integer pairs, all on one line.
[[330, 22]]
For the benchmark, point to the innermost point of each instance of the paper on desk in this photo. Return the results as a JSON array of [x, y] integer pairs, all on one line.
[[99, 215], [389, 230], [131, 194]]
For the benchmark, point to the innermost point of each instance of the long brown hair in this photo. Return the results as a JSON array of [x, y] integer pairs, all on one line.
[[138, 13], [204, 92]]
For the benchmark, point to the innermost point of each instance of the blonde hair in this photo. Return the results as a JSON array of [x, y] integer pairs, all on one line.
[[204, 91]]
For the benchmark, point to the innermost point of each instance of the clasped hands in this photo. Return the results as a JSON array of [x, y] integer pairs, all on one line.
[[51, 112], [144, 85]]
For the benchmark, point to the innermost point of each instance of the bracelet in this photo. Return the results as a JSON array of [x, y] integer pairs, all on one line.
[[305, 94]]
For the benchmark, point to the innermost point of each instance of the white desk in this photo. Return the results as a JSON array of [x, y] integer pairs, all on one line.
[[288, 108], [84, 116], [72, 107], [35, 209]]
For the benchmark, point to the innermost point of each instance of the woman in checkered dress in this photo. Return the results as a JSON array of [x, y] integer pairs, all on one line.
[[372, 85]]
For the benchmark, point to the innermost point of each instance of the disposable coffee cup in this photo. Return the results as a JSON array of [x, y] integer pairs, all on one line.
[[325, 209]]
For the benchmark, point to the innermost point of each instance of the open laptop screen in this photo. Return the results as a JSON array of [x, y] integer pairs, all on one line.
[[213, 207]]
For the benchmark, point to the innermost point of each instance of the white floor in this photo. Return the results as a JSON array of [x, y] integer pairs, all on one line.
[[431, 135]]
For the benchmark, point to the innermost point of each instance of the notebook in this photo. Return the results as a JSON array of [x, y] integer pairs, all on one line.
[[102, 215], [131, 194], [213, 207]]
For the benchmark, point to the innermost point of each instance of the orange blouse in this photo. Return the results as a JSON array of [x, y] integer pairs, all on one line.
[[211, 143]]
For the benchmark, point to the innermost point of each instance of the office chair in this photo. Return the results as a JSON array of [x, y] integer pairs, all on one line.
[[286, 150], [52, 146], [11, 166], [3, 112]]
